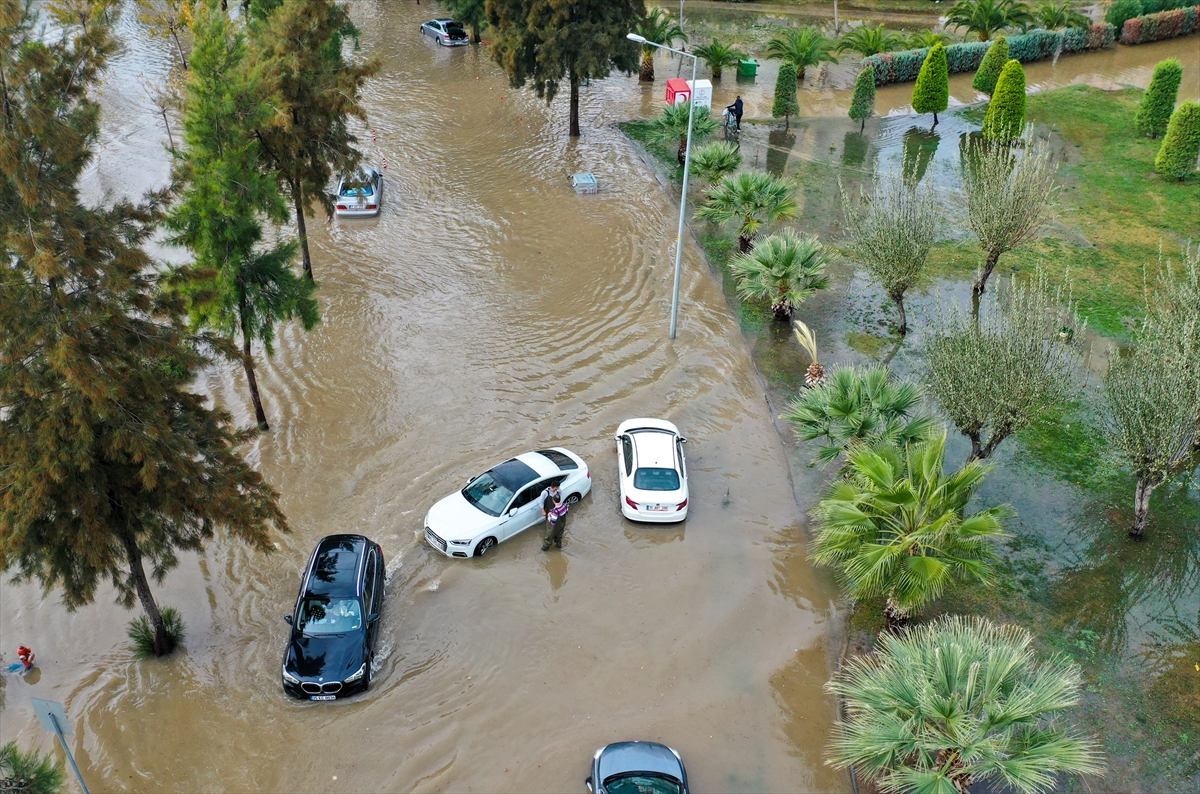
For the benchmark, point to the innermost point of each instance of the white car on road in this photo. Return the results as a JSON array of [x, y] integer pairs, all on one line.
[[652, 470], [503, 501]]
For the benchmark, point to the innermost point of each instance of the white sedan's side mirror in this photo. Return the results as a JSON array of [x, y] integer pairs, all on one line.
[[512, 512], [684, 440]]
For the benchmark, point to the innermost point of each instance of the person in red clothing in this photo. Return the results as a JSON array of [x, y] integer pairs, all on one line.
[[26, 657]]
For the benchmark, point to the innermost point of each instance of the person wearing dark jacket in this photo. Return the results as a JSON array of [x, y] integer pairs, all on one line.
[[736, 110]]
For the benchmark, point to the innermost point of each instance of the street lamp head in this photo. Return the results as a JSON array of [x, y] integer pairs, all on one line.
[[636, 37]]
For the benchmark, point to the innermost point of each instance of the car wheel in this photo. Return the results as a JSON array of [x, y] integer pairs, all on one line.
[[573, 499], [484, 546]]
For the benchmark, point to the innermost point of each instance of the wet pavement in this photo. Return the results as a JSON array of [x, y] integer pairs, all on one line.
[[489, 310]]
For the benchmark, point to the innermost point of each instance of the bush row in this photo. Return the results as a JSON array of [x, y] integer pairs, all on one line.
[[1036, 45], [1163, 25]]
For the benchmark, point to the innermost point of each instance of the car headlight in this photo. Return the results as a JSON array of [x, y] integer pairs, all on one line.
[[291, 679], [460, 543], [357, 674]]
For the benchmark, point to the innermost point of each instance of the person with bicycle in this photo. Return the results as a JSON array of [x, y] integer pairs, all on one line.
[[736, 111]]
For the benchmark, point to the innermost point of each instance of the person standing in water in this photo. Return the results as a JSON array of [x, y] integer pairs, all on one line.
[[555, 511]]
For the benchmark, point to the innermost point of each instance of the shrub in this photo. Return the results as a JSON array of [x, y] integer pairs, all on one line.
[[1181, 146], [1164, 25], [1005, 119], [29, 772], [1121, 11], [992, 65], [931, 94], [862, 105], [142, 633], [902, 67], [1158, 102], [786, 104]]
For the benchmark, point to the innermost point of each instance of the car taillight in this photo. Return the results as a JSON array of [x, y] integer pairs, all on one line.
[[341, 206], [631, 503], [681, 505], [372, 206], [589, 475]]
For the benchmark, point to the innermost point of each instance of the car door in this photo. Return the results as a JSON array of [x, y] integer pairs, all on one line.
[[524, 510], [625, 462]]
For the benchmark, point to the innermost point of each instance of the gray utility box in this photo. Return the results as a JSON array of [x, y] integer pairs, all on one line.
[[584, 183]]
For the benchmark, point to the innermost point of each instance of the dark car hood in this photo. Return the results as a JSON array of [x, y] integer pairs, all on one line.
[[639, 757], [330, 658]]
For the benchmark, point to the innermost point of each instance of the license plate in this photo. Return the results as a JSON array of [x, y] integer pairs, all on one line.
[[657, 508], [323, 697]]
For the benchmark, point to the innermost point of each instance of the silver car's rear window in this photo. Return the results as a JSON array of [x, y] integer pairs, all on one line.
[[647, 479]]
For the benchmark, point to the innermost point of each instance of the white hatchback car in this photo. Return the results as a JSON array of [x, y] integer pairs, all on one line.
[[503, 501], [652, 471], [360, 195]]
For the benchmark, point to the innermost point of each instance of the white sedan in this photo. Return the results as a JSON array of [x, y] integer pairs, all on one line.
[[360, 195], [652, 471], [503, 501]]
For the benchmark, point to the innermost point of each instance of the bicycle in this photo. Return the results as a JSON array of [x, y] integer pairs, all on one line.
[[730, 126]]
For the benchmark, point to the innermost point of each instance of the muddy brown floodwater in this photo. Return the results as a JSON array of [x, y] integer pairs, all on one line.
[[488, 311]]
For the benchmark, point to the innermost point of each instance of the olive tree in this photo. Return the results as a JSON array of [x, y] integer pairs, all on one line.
[[1152, 395], [1014, 364], [1008, 197], [890, 233]]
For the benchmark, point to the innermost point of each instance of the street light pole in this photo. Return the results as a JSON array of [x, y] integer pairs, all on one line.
[[687, 162]]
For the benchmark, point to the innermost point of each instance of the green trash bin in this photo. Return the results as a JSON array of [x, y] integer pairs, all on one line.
[[747, 68]]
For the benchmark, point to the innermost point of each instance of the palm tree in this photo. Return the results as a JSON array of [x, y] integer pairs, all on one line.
[[715, 160], [752, 199], [927, 39], [895, 526], [784, 269], [717, 56], [956, 702], [985, 17], [1054, 16], [855, 405], [870, 41], [657, 27], [672, 126], [802, 47], [814, 376]]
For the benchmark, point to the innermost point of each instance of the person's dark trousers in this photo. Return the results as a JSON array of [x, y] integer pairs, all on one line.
[[738, 118], [554, 533]]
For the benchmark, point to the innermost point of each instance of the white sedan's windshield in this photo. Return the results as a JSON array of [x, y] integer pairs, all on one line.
[[488, 495]]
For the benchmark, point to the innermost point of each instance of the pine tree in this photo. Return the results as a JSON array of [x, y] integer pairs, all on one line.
[[931, 94], [472, 13], [993, 63], [111, 465], [862, 105], [235, 286], [297, 46], [544, 41], [1181, 145], [1005, 119], [786, 103]]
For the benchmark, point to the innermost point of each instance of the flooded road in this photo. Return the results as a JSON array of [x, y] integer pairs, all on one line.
[[488, 311]]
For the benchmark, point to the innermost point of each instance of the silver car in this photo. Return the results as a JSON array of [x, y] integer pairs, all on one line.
[[360, 195], [446, 32], [637, 768]]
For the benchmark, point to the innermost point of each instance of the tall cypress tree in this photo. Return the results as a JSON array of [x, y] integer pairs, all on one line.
[[931, 94], [1005, 118], [1158, 103], [314, 90], [236, 286], [109, 465], [544, 41], [989, 69], [786, 103], [862, 104]]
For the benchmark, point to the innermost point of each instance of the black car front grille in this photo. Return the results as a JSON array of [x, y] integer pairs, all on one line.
[[432, 537], [313, 688]]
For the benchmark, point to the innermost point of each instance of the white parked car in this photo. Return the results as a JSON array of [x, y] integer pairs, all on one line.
[[360, 195], [446, 32], [652, 470], [503, 501]]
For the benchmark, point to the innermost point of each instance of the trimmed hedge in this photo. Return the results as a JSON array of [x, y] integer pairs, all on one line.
[[1163, 25], [1181, 146], [1154, 112], [1123, 10], [904, 66]]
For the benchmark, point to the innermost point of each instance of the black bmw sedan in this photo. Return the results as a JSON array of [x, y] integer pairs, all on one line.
[[336, 620]]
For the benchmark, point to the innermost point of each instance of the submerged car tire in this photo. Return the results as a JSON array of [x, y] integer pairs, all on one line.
[[485, 545], [574, 499]]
